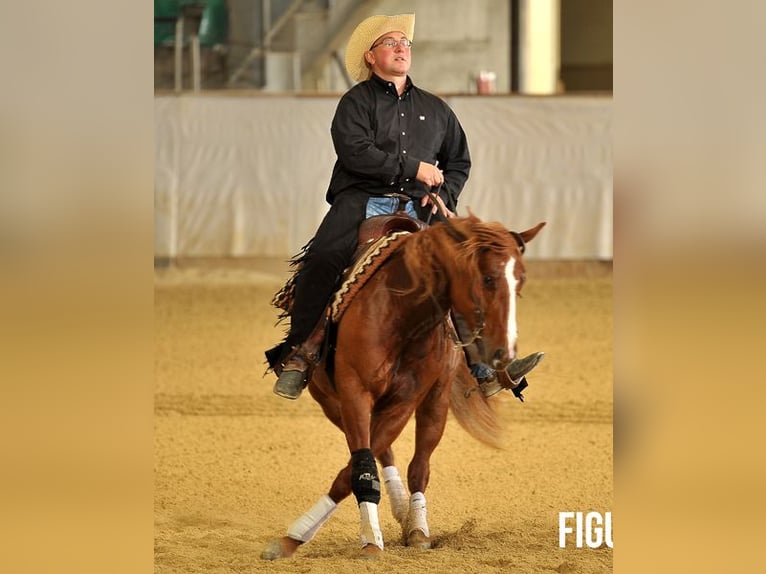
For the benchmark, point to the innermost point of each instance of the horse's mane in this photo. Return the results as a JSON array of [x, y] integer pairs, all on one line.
[[429, 256], [461, 240]]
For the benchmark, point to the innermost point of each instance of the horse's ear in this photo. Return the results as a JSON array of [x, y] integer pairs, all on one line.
[[529, 234]]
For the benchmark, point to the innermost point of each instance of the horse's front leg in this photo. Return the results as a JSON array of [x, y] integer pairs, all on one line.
[[382, 430], [306, 527], [356, 411], [302, 530], [430, 417]]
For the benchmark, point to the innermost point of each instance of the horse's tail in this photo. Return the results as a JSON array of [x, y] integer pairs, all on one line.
[[473, 412]]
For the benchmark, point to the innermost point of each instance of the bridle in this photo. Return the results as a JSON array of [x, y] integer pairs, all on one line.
[[475, 336], [478, 312], [519, 241]]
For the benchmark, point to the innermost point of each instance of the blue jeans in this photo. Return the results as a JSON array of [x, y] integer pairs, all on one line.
[[387, 206]]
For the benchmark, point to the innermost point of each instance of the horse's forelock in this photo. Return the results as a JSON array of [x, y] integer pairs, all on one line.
[[485, 236]]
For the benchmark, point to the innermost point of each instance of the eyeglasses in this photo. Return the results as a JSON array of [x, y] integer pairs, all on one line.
[[390, 43]]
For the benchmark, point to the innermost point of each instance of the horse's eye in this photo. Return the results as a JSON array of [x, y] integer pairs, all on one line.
[[489, 281]]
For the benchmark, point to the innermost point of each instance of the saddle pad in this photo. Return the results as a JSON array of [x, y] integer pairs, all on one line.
[[362, 270]]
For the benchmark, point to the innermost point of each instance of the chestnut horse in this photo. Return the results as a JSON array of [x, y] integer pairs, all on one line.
[[397, 354]]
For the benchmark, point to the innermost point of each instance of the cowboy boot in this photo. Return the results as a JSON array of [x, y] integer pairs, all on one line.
[[490, 384], [512, 378], [296, 370], [520, 367]]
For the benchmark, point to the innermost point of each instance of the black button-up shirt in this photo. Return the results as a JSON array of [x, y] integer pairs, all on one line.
[[381, 137]]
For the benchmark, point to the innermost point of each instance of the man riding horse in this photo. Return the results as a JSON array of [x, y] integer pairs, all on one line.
[[395, 142]]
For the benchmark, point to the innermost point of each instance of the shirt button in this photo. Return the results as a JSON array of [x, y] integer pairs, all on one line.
[[401, 189], [404, 151], [404, 133], [402, 115], [407, 179]]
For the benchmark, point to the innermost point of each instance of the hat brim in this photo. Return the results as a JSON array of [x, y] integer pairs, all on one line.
[[366, 33]]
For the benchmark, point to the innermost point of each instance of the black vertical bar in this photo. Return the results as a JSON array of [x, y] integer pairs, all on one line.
[[515, 46]]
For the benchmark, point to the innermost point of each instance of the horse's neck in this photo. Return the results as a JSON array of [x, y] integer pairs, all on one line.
[[420, 313]]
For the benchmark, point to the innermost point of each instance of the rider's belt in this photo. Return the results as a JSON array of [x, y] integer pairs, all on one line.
[[403, 200]]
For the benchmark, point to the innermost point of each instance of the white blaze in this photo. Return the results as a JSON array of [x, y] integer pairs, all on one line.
[[512, 328]]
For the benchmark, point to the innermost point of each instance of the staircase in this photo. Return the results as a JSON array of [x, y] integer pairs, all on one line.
[[299, 45]]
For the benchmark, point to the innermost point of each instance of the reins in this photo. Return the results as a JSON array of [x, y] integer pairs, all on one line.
[[452, 206]]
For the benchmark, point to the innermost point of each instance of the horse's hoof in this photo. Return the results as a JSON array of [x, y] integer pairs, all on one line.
[[370, 552], [418, 539], [284, 547]]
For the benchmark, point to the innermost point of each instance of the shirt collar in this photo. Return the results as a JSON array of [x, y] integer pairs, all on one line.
[[385, 84]]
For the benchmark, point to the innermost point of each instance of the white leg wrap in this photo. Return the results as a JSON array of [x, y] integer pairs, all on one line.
[[417, 517], [308, 525], [370, 527], [397, 494]]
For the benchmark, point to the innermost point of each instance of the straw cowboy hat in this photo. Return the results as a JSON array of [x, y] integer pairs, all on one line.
[[365, 35]]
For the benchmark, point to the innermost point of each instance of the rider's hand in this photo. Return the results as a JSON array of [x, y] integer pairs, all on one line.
[[429, 174], [438, 207]]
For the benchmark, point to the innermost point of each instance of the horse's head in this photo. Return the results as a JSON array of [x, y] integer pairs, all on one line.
[[489, 274]]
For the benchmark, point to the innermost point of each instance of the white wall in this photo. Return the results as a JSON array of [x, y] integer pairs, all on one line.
[[239, 176]]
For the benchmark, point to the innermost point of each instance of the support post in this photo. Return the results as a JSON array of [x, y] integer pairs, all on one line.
[[179, 48], [195, 57], [539, 46]]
